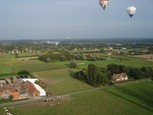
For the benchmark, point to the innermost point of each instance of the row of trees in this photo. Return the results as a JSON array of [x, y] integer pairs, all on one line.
[[133, 72], [51, 57], [66, 56], [97, 76]]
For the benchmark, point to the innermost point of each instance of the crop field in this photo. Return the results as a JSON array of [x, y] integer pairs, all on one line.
[[127, 99]]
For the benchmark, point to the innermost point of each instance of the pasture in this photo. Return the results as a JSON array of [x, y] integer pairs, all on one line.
[[127, 99]]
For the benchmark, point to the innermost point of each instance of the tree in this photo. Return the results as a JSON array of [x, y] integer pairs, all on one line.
[[98, 79], [10, 97], [72, 64], [16, 55], [115, 69], [23, 72], [135, 73], [92, 73]]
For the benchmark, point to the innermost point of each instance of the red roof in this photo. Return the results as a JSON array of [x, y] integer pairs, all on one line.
[[31, 87], [15, 95]]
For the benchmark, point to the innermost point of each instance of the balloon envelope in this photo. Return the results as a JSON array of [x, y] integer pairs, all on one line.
[[131, 10], [104, 3]]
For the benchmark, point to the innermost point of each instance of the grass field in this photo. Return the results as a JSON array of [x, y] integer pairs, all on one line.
[[5, 69], [138, 93], [60, 81], [9, 64], [122, 60], [128, 99]]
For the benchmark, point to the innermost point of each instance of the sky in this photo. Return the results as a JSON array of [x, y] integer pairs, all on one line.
[[55, 19]]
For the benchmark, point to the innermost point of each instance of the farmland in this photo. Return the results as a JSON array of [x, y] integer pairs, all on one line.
[[11, 65], [127, 99], [60, 81], [56, 78]]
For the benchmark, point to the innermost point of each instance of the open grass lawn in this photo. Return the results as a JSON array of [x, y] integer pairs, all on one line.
[[138, 98]]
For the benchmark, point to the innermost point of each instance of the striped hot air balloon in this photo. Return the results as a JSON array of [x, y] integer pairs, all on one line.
[[104, 3]]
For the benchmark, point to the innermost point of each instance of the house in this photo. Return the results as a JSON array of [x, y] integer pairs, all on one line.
[[9, 89], [119, 77], [16, 95], [42, 92]]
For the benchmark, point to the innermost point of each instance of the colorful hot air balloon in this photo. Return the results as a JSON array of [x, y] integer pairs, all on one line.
[[104, 3], [131, 10]]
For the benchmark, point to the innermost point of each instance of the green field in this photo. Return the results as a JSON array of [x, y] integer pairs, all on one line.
[[128, 99], [60, 81], [139, 93], [10, 65]]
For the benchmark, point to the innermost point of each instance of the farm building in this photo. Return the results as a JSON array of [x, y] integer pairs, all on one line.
[[21, 89], [42, 92], [32, 90], [119, 77]]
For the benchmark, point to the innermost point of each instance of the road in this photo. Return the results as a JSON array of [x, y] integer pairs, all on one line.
[[43, 98]]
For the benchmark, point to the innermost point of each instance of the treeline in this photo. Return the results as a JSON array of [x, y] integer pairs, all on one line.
[[96, 76], [66, 56], [51, 57], [89, 57], [133, 72]]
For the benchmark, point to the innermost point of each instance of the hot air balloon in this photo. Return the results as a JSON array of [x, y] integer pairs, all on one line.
[[104, 3], [131, 10]]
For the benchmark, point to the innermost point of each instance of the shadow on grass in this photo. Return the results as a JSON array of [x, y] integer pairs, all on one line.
[[139, 94]]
